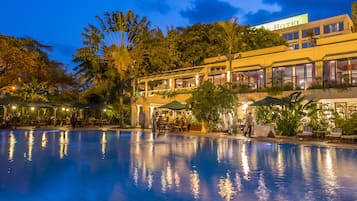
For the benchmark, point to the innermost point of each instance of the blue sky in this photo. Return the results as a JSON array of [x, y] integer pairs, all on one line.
[[60, 23]]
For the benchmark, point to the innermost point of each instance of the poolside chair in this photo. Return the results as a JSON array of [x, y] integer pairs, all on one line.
[[335, 134], [306, 133], [349, 138]]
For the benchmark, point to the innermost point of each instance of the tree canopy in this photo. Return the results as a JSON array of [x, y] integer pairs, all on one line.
[[25, 65]]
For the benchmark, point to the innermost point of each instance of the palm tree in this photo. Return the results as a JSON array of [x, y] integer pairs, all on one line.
[[230, 38], [107, 48]]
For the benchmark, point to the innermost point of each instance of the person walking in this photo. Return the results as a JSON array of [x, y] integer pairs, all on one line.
[[248, 124]]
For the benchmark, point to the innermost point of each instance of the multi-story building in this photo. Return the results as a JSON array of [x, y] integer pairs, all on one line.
[[327, 70]]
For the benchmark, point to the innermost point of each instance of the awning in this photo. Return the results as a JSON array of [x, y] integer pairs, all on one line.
[[270, 101], [174, 105]]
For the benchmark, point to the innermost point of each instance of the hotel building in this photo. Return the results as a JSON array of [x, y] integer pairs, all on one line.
[[320, 61]]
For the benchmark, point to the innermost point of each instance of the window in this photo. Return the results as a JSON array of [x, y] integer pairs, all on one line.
[[282, 76], [336, 72], [291, 36], [185, 82], [336, 27], [251, 79], [294, 46], [307, 45], [308, 32], [304, 75]]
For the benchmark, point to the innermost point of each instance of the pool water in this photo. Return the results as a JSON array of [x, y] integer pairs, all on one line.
[[58, 165]]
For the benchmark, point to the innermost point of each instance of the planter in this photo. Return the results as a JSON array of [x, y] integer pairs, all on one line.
[[196, 127]]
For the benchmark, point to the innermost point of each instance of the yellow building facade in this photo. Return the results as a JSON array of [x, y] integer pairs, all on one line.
[[326, 70]]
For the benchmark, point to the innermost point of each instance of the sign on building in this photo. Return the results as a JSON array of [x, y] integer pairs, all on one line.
[[284, 23]]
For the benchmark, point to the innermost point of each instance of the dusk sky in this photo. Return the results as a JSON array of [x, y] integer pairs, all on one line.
[[60, 23]]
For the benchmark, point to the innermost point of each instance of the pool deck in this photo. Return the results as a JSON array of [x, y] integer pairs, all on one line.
[[277, 139]]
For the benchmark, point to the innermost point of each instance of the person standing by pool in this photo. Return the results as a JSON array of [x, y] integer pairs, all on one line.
[[248, 124]]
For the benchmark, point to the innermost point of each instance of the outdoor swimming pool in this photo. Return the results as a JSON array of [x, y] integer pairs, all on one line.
[[124, 166]]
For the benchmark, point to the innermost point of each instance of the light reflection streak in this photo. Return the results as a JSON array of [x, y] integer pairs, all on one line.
[[12, 142], [63, 143], [224, 149], [30, 143], [44, 140], [163, 182], [136, 176], [238, 182], [177, 180], [305, 160], [262, 192], [103, 142], [150, 178], [329, 173], [195, 184], [280, 166], [169, 177], [245, 163], [226, 188]]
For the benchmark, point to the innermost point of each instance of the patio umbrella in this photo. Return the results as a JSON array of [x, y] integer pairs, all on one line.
[[39, 104], [270, 101], [174, 105]]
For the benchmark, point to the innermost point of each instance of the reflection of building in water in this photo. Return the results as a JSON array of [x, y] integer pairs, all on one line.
[[148, 158], [326, 163], [262, 192], [225, 188], [63, 144], [103, 142], [195, 184], [305, 163], [245, 161], [44, 140], [12, 142], [225, 149]]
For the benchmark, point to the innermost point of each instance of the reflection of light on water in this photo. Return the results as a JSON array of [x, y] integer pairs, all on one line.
[[168, 178], [30, 143], [238, 182], [103, 142], [163, 182], [245, 163], [12, 142], [169, 175], [305, 160], [329, 176], [195, 184], [226, 188], [63, 143], [44, 140], [150, 180], [280, 163], [224, 149], [177, 180], [136, 176], [262, 192]]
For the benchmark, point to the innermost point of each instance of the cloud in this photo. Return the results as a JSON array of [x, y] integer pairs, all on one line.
[[160, 6], [317, 9], [209, 11]]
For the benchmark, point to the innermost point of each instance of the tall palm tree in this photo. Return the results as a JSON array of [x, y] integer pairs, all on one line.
[[107, 47], [230, 37]]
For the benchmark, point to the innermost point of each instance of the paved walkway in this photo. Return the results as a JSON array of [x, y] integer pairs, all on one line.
[[278, 139]]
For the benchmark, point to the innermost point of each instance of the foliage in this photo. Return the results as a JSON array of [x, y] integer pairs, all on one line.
[[347, 124], [209, 101], [264, 114], [25, 64], [289, 117]]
